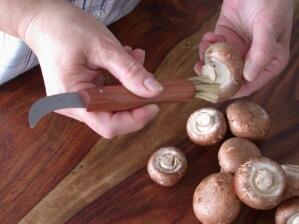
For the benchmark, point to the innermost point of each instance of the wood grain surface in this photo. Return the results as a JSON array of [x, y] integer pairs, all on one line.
[[62, 172]]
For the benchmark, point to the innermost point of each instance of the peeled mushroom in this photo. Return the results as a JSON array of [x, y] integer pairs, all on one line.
[[260, 183], [167, 166], [288, 212], [223, 66], [206, 126], [236, 151], [248, 120], [215, 201], [292, 172]]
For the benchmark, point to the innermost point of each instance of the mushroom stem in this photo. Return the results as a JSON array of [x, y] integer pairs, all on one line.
[[292, 172]]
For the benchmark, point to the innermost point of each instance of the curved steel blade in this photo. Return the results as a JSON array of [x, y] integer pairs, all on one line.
[[49, 104]]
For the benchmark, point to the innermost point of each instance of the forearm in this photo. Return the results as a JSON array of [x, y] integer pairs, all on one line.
[[16, 15]]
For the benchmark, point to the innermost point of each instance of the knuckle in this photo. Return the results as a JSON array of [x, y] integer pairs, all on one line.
[[105, 49], [132, 70]]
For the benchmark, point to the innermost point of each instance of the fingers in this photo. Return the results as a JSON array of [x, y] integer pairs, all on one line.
[[139, 55], [277, 64], [130, 72], [232, 37], [207, 39], [105, 78], [110, 125], [260, 53], [250, 87]]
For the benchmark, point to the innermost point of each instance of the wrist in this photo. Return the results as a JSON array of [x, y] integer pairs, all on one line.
[[49, 22], [15, 15]]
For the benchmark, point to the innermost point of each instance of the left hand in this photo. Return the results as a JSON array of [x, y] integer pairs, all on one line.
[[260, 31]]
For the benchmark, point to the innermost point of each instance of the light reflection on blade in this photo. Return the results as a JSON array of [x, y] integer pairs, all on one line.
[[49, 104]]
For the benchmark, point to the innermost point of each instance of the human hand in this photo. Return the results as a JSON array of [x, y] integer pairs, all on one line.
[[260, 31], [74, 50]]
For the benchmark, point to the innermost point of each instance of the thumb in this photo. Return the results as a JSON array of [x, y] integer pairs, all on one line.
[[260, 53], [131, 73]]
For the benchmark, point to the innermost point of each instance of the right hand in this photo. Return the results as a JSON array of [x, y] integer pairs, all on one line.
[[74, 49]]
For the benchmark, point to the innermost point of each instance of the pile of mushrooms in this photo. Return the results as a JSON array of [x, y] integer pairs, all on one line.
[[245, 176]]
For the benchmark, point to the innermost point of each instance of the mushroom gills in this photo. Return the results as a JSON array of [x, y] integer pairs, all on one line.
[[217, 72], [209, 72]]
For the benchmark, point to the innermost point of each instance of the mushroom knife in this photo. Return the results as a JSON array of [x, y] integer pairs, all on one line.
[[111, 98]]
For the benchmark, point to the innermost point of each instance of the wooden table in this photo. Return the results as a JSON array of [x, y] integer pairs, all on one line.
[[62, 172]]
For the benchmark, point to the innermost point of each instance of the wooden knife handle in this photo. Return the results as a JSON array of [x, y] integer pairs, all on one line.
[[118, 98]]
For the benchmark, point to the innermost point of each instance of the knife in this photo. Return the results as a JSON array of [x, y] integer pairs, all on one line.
[[111, 98]]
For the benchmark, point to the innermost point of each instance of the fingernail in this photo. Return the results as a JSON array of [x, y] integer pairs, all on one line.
[[154, 110], [140, 52], [152, 85], [251, 71], [128, 48]]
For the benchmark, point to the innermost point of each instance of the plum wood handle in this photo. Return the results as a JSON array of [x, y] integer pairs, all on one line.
[[118, 98]]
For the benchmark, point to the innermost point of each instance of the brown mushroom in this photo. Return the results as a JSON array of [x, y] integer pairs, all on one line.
[[236, 151], [248, 120], [288, 212], [206, 126], [215, 201], [167, 166], [260, 183], [223, 66], [292, 172]]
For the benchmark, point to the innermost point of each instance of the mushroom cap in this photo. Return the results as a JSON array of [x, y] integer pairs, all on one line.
[[206, 126], [248, 120], [292, 172], [260, 183], [167, 166], [228, 65], [288, 212], [236, 151], [215, 201]]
